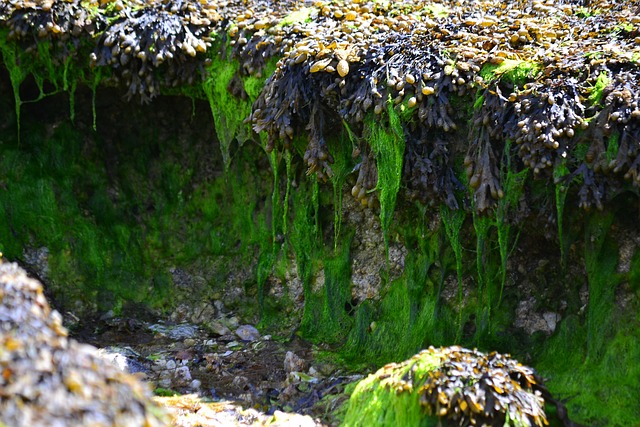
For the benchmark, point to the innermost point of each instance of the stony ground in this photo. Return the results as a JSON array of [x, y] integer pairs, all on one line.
[[237, 377], [233, 376]]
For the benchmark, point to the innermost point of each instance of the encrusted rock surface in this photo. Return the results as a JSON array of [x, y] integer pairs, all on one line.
[[48, 379]]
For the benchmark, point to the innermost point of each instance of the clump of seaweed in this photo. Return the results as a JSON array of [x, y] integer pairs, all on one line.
[[166, 39]]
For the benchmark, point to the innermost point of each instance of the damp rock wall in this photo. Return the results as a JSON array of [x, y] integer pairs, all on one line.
[[374, 176]]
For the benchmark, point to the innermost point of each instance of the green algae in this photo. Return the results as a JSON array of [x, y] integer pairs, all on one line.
[[18, 71], [341, 168], [228, 111], [484, 287], [40, 65], [590, 359], [301, 15], [513, 70], [84, 256], [513, 191], [108, 245], [387, 143], [452, 221], [373, 402], [597, 90], [326, 318], [410, 313], [561, 190]]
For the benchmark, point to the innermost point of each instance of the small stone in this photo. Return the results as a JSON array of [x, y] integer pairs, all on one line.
[[195, 384], [293, 363], [171, 365], [233, 322], [189, 342], [218, 328], [183, 375], [182, 332], [248, 333], [178, 332], [552, 320]]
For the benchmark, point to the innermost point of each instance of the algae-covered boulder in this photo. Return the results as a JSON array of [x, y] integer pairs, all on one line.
[[49, 380], [450, 386]]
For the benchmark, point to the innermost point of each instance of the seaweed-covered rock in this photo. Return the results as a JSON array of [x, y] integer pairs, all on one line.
[[49, 379], [450, 385], [556, 80]]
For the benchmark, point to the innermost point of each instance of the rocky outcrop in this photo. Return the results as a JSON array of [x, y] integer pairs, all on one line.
[[49, 379]]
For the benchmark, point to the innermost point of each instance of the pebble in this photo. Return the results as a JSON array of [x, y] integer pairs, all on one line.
[[183, 375], [218, 328], [178, 332], [248, 333], [293, 363]]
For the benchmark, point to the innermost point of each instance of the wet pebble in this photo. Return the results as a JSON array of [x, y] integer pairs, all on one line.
[[176, 332], [294, 363], [248, 333]]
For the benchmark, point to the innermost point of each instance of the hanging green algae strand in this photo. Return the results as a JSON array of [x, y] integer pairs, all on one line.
[[229, 112], [513, 191], [482, 224], [17, 71], [600, 256], [285, 206], [325, 317], [560, 190], [453, 220], [341, 167], [387, 142]]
